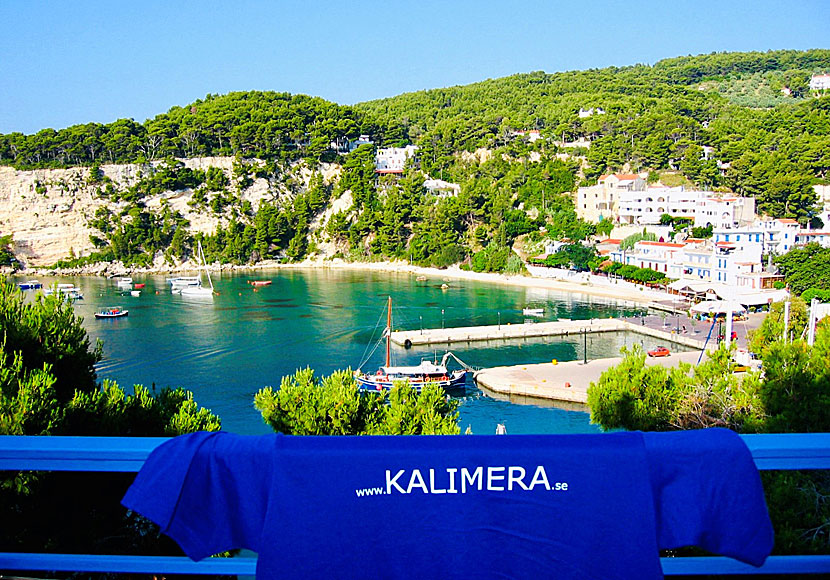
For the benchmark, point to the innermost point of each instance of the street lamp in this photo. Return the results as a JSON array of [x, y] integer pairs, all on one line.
[[442, 318], [421, 319], [499, 320]]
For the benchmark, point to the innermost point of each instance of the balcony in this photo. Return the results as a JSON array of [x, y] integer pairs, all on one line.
[[124, 454]]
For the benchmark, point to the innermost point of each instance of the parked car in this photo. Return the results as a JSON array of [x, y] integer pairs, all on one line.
[[734, 336], [659, 351]]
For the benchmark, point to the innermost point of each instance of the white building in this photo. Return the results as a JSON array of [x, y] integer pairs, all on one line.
[[393, 159], [648, 206], [442, 188], [585, 113], [531, 135], [771, 236], [600, 201], [344, 145], [724, 211], [807, 237], [820, 83]]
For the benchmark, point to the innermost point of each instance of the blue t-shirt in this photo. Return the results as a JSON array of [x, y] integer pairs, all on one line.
[[562, 506]]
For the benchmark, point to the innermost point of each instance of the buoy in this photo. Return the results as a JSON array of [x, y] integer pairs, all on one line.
[[568, 385]]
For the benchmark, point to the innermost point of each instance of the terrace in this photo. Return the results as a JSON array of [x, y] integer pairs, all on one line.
[[123, 454]]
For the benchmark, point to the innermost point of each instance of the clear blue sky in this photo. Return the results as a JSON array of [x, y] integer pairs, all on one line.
[[69, 62]]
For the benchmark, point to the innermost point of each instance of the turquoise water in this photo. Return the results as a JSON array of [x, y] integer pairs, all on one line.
[[226, 349]]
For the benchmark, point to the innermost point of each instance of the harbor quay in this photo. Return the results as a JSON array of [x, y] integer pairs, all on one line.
[[567, 382], [562, 327], [564, 381]]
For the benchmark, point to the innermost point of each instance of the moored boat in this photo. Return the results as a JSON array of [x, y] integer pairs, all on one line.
[[29, 285], [112, 312], [176, 284], [197, 290], [418, 376], [69, 291], [533, 311], [259, 282]]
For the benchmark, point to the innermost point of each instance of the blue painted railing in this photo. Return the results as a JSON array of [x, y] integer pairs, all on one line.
[[127, 454]]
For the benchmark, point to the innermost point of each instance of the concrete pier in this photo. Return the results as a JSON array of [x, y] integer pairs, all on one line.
[[449, 336], [565, 381]]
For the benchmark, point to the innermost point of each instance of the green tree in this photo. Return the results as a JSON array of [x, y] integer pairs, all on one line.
[[6, 253], [47, 387], [334, 405], [806, 268]]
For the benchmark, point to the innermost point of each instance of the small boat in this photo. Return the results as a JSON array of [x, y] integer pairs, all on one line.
[[259, 282], [420, 278], [135, 293], [124, 282], [199, 291], [69, 291], [29, 285], [139, 286], [176, 284], [533, 311], [112, 312], [426, 373]]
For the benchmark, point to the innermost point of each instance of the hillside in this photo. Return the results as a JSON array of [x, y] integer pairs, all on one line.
[[254, 176]]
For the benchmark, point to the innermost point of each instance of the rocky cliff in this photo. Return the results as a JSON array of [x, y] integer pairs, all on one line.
[[47, 210]]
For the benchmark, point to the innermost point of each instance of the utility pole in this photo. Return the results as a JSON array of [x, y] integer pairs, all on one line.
[[585, 346], [811, 335]]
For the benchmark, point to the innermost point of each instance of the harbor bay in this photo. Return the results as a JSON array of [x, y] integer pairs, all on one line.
[[246, 337]]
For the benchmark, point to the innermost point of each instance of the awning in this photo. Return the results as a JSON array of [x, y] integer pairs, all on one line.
[[719, 307]]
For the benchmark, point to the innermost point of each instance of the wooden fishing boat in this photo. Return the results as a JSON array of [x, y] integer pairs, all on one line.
[[417, 376], [112, 312]]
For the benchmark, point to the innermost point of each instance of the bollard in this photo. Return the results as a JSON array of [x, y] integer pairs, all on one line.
[[554, 362]]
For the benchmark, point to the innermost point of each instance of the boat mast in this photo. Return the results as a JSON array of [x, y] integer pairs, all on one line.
[[204, 261], [389, 331]]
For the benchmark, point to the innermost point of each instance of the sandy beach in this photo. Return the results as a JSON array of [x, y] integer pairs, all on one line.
[[576, 283], [579, 284]]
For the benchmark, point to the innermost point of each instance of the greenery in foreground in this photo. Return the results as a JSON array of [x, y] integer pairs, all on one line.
[[792, 396], [48, 386], [334, 405]]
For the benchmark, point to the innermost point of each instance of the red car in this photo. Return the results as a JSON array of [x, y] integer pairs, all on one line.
[[659, 351]]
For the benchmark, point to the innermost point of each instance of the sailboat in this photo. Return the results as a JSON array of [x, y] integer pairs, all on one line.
[[426, 373], [199, 290]]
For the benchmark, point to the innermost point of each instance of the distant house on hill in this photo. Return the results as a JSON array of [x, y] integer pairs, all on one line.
[[344, 145], [393, 159], [820, 83], [585, 113], [442, 188], [531, 135]]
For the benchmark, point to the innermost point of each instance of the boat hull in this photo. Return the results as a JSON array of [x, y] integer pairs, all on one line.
[[111, 314], [455, 381], [31, 285]]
